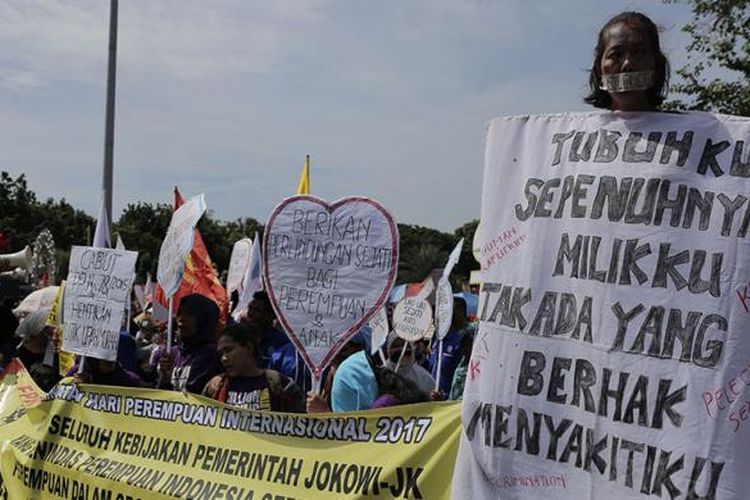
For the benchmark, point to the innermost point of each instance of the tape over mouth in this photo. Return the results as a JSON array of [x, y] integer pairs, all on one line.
[[627, 82]]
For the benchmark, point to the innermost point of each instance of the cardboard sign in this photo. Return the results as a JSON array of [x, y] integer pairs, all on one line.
[[96, 292], [412, 318], [238, 264], [612, 358], [178, 242], [328, 269]]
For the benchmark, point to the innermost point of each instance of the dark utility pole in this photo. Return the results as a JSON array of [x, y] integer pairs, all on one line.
[[109, 131]]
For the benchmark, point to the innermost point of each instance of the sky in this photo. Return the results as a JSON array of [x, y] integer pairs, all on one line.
[[390, 98]]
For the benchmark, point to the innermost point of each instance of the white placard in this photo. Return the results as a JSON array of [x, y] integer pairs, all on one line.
[[238, 264], [328, 268], [178, 242], [252, 281], [379, 330], [444, 295], [443, 308], [412, 318], [612, 358], [96, 293]]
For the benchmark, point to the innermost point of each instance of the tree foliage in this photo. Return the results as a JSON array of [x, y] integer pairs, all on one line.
[[716, 76], [422, 250], [23, 217], [142, 227]]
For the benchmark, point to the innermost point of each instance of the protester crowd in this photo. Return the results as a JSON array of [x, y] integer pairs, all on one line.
[[249, 363]]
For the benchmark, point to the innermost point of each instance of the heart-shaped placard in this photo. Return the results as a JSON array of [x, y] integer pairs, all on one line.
[[328, 269]]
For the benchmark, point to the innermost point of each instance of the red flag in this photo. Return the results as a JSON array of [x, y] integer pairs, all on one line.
[[199, 275], [3, 241]]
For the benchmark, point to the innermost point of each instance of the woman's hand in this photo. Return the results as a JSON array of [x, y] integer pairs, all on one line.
[[166, 365], [316, 404]]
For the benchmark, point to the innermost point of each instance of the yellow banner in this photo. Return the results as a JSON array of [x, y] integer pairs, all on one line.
[[93, 442]]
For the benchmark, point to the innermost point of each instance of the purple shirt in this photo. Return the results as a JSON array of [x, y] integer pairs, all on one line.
[[194, 366]]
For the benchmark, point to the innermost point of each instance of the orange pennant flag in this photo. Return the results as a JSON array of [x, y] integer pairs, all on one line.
[[199, 275]]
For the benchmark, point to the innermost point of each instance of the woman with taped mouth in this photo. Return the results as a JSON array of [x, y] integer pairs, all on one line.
[[244, 383], [629, 73], [194, 360]]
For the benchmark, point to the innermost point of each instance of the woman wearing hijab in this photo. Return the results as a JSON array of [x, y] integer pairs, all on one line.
[[36, 350], [194, 360]]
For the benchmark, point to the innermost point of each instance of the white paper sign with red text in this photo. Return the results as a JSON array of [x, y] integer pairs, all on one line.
[[328, 268]]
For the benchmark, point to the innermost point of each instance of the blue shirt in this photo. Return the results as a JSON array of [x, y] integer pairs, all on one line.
[[354, 385], [452, 354], [286, 361]]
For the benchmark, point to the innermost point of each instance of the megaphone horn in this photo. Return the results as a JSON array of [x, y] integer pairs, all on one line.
[[13, 260]]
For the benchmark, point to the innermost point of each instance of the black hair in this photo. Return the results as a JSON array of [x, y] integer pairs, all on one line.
[[406, 391], [205, 311], [600, 98], [262, 296], [244, 335]]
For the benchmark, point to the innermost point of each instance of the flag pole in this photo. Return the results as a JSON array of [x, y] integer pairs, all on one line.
[[439, 364], [109, 130], [169, 326]]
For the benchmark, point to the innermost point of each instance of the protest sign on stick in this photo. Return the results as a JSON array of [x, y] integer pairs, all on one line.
[[175, 248], [612, 354], [252, 280], [328, 268], [444, 306], [96, 291], [379, 332], [412, 319], [238, 264]]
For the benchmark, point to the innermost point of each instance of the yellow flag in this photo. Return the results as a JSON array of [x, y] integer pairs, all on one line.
[[304, 178], [66, 359]]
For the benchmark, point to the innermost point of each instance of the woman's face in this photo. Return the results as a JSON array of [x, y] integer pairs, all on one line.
[[628, 50], [187, 325], [237, 359]]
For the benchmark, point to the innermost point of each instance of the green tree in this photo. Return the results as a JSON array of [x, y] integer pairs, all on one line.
[[24, 217], [220, 236], [716, 76], [421, 250], [142, 227]]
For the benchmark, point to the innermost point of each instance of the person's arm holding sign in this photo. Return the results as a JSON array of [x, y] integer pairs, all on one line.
[[166, 366]]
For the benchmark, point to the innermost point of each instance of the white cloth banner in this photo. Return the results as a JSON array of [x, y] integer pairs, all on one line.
[[328, 268], [96, 293], [613, 353]]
